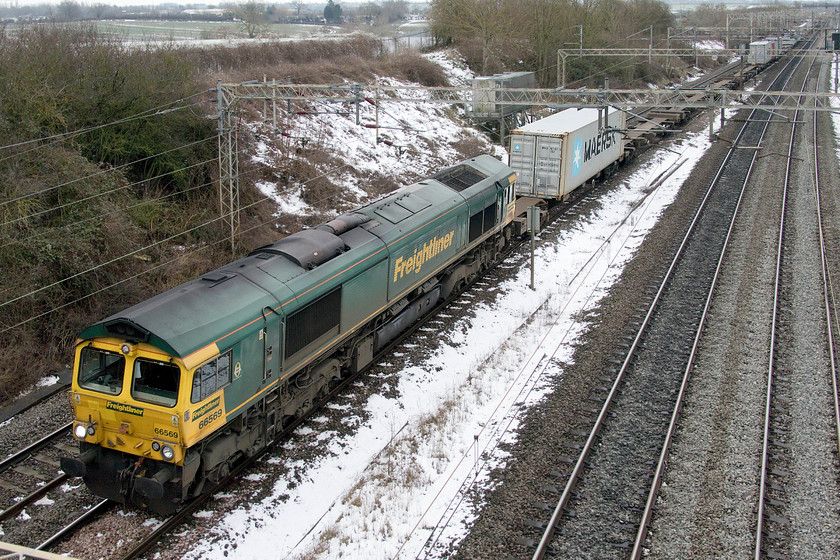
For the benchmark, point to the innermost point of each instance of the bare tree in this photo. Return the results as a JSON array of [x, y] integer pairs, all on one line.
[[252, 14], [69, 11], [394, 10], [370, 12], [547, 26], [100, 10], [487, 21]]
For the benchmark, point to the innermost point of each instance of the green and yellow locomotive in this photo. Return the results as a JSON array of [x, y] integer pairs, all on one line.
[[172, 392]]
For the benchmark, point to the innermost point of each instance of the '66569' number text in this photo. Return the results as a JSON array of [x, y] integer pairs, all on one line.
[[210, 419]]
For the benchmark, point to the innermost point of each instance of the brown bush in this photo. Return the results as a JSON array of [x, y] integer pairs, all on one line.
[[63, 82], [411, 66]]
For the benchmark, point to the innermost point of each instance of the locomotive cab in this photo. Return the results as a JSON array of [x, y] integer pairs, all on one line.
[[128, 401]]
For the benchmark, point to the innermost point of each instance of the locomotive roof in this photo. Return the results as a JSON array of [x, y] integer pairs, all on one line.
[[211, 308]]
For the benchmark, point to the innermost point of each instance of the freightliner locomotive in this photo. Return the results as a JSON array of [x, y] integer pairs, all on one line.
[[171, 393]]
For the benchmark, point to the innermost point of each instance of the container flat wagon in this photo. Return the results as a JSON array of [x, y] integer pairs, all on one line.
[[555, 155]]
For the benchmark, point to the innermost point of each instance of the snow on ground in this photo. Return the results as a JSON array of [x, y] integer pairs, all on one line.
[[455, 67], [383, 491], [412, 139], [710, 45]]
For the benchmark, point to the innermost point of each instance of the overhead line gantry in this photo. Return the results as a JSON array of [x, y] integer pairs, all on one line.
[[281, 94]]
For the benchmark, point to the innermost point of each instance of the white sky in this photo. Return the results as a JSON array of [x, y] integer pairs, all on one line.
[[123, 3]]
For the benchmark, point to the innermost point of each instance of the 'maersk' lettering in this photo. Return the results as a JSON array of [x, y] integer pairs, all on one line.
[[430, 249], [598, 144]]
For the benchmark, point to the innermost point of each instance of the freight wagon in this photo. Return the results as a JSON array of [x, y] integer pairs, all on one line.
[[553, 156], [761, 52]]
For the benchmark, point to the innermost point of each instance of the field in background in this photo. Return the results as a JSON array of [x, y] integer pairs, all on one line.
[[413, 34], [139, 30]]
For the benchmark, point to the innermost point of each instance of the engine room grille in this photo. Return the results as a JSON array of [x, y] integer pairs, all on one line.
[[307, 325], [459, 177]]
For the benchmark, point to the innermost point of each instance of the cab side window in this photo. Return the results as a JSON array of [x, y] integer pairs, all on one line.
[[211, 377]]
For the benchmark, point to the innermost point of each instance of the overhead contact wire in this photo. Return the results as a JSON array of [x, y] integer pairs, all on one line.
[[104, 193], [160, 110], [123, 209], [106, 171], [131, 253]]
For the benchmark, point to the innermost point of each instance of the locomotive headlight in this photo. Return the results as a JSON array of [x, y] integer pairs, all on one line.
[[91, 430], [155, 446], [167, 452], [80, 431]]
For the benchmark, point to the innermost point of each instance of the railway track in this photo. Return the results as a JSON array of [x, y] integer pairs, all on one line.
[[147, 543], [37, 498], [22, 483], [797, 434], [598, 513]]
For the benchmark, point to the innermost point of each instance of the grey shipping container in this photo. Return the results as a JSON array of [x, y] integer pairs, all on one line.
[[489, 94], [555, 155], [761, 52]]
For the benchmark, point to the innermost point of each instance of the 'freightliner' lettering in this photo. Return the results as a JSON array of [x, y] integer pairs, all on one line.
[[204, 409], [430, 249], [122, 407]]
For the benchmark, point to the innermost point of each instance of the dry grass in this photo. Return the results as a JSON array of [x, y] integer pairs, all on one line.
[[35, 252]]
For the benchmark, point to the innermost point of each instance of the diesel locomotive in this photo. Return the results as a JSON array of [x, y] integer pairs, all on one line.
[[171, 393]]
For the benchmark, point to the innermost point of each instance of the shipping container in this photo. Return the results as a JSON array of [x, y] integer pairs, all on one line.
[[490, 100], [761, 52], [775, 45], [555, 155]]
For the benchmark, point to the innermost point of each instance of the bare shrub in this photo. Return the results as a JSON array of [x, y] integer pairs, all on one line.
[[411, 66], [469, 146]]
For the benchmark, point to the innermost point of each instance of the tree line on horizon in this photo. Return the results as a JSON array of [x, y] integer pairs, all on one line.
[[497, 35]]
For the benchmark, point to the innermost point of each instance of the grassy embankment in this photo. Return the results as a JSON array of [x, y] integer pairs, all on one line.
[[92, 222]]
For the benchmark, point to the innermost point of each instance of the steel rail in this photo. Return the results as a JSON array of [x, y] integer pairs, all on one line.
[[765, 450], [672, 426], [23, 454], [542, 547], [827, 291], [587, 448], [43, 442], [15, 508], [80, 521], [641, 533]]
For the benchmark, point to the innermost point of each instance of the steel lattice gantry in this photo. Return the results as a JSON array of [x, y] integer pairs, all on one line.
[[228, 164], [627, 99]]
